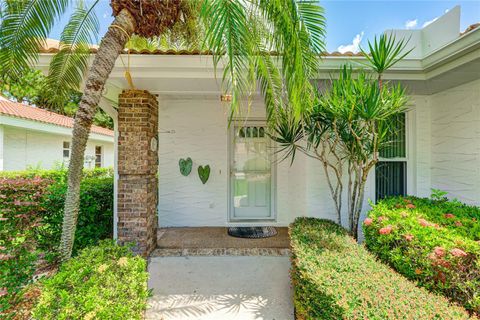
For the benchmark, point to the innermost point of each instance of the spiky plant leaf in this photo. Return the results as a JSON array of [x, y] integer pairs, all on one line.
[[385, 52]]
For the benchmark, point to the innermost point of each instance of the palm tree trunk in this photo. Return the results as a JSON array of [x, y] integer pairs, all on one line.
[[110, 47]]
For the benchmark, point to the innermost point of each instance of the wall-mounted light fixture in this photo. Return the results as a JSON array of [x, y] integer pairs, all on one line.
[[226, 97]]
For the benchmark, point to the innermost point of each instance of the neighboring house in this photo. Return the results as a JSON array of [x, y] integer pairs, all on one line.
[[33, 137], [182, 110]]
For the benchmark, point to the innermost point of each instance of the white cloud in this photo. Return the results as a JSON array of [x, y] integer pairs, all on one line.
[[410, 24], [429, 21], [354, 46]]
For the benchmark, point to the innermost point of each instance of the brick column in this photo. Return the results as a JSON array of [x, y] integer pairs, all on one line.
[[137, 170]]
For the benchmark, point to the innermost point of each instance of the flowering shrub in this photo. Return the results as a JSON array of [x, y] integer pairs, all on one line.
[[20, 215], [335, 278], [434, 242], [103, 282], [31, 213]]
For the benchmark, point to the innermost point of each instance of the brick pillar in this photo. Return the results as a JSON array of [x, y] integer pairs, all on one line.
[[137, 169]]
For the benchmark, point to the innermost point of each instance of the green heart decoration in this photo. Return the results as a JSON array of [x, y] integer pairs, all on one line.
[[185, 166], [204, 173]]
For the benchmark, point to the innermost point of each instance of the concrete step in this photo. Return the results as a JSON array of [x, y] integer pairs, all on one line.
[[182, 252]]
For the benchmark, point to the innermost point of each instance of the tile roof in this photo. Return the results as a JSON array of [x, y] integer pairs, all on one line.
[[19, 110], [52, 46], [470, 28], [193, 52]]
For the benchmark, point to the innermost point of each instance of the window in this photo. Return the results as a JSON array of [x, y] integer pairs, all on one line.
[[391, 170], [98, 156], [66, 149]]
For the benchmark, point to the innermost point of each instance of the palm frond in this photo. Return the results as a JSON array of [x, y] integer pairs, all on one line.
[[298, 37], [228, 37], [24, 27], [312, 16], [242, 35], [69, 65]]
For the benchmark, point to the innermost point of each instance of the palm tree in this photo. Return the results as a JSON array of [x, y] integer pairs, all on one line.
[[239, 33]]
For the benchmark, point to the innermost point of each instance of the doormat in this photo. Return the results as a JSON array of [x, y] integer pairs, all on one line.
[[252, 232]]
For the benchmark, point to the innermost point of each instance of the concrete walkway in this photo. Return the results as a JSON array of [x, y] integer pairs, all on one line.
[[220, 288]]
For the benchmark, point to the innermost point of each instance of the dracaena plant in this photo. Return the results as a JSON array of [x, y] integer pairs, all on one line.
[[347, 128], [240, 34]]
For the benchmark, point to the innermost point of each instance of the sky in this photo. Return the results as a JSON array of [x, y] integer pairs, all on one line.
[[352, 23]]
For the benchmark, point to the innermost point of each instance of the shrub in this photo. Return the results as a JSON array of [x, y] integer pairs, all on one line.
[[103, 282], [56, 174], [435, 243], [334, 278], [95, 219], [31, 214], [20, 205]]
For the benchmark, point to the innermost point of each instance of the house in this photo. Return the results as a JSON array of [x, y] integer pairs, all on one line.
[[177, 112], [34, 137]]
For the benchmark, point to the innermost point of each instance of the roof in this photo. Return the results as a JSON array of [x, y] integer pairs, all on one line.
[[52, 46], [19, 110]]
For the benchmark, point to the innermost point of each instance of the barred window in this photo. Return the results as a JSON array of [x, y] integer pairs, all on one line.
[[391, 170]]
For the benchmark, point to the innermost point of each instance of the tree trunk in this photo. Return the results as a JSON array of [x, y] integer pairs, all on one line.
[[110, 47], [358, 208]]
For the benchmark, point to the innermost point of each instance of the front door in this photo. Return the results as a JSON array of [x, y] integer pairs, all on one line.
[[251, 173]]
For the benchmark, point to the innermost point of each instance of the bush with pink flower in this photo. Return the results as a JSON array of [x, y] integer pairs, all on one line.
[[437, 244], [20, 209], [335, 278], [31, 213]]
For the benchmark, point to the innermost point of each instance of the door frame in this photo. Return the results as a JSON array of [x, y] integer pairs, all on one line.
[[273, 173]]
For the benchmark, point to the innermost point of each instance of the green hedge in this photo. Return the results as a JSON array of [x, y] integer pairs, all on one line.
[[103, 282], [95, 219], [55, 174], [335, 278], [435, 243], [31, 213]]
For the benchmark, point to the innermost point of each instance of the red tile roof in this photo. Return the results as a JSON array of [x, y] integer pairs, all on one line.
[[193, 52], [19, 110], [470, 28], [52, 46]]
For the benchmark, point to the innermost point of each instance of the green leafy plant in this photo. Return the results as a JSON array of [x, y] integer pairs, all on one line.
[[204, 173], [334, 278], [102, 282], [384, 53], [348, 127], [95, 221], [436, 243], [438, 194], [185, 166]]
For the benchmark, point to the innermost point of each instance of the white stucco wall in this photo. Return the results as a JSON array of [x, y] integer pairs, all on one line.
[[24, 147], [455, 138], [201, 132]]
